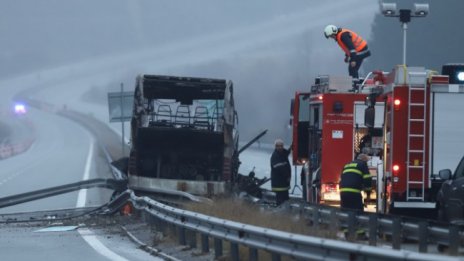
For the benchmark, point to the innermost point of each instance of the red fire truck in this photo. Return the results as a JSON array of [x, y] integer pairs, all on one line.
[[423, 133], [329, 131]]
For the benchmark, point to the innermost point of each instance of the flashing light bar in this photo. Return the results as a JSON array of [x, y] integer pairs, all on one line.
[[20, 108]]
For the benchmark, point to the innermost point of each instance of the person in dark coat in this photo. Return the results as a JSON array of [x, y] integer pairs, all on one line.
[[355, 178], [280, 171]]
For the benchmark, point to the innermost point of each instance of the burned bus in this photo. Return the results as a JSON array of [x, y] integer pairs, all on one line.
[[184, 135]]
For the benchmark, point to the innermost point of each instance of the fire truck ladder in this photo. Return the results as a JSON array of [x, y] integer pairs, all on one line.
[[417, 102]]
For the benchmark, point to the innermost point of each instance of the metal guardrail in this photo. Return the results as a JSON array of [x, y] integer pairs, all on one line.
[[257, 238], [118, 185], [399, 228], [46, 215], [118, 200], [9, 149]]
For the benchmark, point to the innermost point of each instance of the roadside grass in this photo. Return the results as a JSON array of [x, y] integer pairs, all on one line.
[[240, 211]]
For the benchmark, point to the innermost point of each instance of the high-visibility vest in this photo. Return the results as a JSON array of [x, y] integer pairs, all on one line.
[[353, 179], [358, 42]]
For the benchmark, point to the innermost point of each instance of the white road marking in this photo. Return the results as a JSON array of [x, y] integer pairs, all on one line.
[[82, 197], [98, 246], [86, 234]]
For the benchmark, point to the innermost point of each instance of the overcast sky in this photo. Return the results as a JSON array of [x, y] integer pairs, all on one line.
[[268, 48]]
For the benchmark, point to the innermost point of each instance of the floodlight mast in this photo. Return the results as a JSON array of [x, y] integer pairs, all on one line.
[[389, 10]]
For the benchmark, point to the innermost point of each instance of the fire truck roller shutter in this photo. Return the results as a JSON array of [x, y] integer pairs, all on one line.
[[447, 130]]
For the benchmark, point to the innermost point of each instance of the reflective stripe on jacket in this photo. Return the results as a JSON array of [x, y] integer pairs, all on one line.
[[355, 177], [280, 170], [358, 42]]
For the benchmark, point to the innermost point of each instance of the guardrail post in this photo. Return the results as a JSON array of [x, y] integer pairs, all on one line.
[[148, 218], [423, 236], [333, 226], [315, 218], [159, 223], [172, 229], [181, 234], [351, 225], [217, 247], [253, 254], [234, 251], [373, 222], [302, 208], [204, 243], [155, 220], [192, 239], [275, 257], [453, 240], [396, 233]]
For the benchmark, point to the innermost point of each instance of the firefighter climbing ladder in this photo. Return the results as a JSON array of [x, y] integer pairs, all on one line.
[[416, 135]]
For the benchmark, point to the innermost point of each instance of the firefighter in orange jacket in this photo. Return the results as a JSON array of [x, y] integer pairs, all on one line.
[[352, 44], [355, 178]]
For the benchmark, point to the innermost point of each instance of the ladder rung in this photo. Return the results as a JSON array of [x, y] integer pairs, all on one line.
[[416, 135], [421, 74], [415, 167], [421, 198], [417, 73], [417, 104], [415, 182], [416, 120], [416, 151], [417, 88]]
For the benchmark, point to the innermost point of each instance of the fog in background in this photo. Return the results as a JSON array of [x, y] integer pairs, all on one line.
[[268, 48], [431, 41]]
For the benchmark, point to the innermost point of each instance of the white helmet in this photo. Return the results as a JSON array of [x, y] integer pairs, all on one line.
[[330, 30], [278, 142]]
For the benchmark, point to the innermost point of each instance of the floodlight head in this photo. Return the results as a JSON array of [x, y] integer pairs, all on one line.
[[455, 71], [460, 76], [388, 9], [421, 10]]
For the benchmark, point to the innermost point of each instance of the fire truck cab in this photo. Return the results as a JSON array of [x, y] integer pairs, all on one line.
[[423, 133], [329, 132]]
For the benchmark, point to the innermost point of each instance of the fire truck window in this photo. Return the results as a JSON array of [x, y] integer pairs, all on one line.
[[311, 116], [292, 102], [231, 97], [316, 117], [460, 170], [386, 121], [303, 110]]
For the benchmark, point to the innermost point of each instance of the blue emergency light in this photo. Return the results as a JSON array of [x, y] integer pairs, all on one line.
[[19, 108]]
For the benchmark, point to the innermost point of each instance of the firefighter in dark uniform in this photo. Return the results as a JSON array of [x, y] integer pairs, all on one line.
[[355, 178], [280, 171]]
